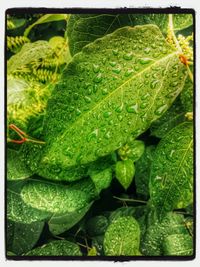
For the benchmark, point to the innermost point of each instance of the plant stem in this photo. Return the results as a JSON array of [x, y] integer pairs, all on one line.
[[130, 200]]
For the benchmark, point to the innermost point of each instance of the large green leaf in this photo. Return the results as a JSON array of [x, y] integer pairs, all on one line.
[[59, 199], [85, 28], [56, 248], [178, 245], [153, 241], [16, 168], [116, 86], [171, 180], [18, 210], [187, 95], [61, 223], [122, 237], [171, 118], [22, 237]]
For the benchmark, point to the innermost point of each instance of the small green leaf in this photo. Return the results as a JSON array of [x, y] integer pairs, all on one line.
[[44, 19], [122, 237], [178, 245], [17, 170], [133, 150], [101, 173], [61, 223], [92, 252], [22, 237], [171, 181], [142, 172], [56, 248], [125, 171]]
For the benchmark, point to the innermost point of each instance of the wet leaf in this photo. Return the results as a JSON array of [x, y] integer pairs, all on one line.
[[122, 237], [56, 248], [171, 181], [125, 171]]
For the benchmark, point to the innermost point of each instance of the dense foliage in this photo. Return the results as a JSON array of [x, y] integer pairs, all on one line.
[[100, 135]]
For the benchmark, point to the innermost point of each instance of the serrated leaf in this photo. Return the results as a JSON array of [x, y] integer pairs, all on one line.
[[61, 223], [171, 180], [16, 168], [172, 117], [22, 237], [97, 225], [55, 198], [122, 237], [92, 72], [30, 52], [142, 172], [178, 245], [124, 171], [85, 28], [153, 240], [56, 248]]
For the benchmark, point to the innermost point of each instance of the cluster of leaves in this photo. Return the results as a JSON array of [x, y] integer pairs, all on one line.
[[100, 135]]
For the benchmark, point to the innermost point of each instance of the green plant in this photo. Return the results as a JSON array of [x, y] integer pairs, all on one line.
[[100, 135]]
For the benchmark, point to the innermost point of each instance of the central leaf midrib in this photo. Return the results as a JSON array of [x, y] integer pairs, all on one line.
[[115, 90]]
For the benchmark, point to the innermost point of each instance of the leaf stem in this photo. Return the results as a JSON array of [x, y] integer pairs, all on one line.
[[130, 200]]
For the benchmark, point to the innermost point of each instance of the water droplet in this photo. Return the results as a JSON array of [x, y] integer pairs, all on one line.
[[119, 108], [113, 63], [132, 108], [104, 91], [153, 84], [92, 135], [87, 99], [76, 96], [107, 114], [115, 52], [136, 67], [128, 56], [98, 78], [95, 88], [78, 112], [129, 72], [144, 61], [174, 84], [144, 97], [117, 70], [79, 158], [147, 50], [107, 135], [143, 105], [161, 110], [96, 68], [120, 117]]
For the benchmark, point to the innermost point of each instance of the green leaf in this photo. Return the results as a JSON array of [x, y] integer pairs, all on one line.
[[30, 52], [96, 225], [133, 150], [101, 89], [61, 223], [18, 210], [26, 100], [142, 172], [101, 173], [122, 237], [125, 171], [22, 237], [85, 28], [45, 19], [56, 248], [171, 181], [59, 199], [153, 240], [178, 245], [171, 118], [187, 95], [16, 169]]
